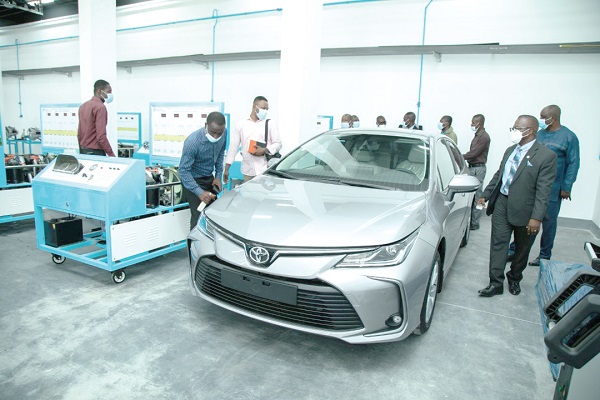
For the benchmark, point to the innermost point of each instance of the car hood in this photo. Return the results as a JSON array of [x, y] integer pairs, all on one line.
[[296, 213]]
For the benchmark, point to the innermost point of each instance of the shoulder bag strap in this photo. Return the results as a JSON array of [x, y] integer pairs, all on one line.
[[266, 131]]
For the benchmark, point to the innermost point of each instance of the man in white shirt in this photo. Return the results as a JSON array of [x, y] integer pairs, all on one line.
[[252, 129]]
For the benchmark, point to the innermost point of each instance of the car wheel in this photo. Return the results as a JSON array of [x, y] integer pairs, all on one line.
[[466, 236], [430, 297]]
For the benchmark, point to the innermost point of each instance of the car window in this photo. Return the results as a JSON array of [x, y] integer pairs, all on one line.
[[363, 159], [445, 164], [457, 156]]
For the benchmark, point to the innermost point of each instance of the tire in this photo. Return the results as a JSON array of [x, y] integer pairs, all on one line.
[[118, 276], [430, 296], [58, 259], [466, 236]]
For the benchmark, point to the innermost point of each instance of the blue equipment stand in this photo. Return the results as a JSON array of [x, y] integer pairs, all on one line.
[[113, 192]]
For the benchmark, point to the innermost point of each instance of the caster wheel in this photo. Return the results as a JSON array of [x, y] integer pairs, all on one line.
[[118, 276], [58, 259]]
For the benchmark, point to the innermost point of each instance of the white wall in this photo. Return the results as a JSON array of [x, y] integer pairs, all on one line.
[[499, 86]]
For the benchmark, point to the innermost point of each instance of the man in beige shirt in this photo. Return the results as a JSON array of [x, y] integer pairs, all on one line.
[[445, 125]]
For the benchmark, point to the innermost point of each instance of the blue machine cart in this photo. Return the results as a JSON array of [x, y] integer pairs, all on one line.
[[113, 192]]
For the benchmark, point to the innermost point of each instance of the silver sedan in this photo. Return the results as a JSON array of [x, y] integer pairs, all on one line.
[[348, 236]]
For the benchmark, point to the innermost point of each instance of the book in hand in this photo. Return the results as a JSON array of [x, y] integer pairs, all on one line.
[[255, 144]]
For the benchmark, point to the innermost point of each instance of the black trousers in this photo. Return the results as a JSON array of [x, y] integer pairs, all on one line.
[[205, 183], [501, 233], [94, 152]]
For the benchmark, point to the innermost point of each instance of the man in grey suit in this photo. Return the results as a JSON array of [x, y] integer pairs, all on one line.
[[518, 195]]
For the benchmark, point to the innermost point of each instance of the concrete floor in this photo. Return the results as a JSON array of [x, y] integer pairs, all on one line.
[[68, 332]]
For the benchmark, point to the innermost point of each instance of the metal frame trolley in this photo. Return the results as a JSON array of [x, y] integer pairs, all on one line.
[[110, 192]]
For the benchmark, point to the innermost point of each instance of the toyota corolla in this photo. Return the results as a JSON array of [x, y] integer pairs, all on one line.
[[349, 236]]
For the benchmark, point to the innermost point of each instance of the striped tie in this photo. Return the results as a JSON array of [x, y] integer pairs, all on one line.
[[514, 164]]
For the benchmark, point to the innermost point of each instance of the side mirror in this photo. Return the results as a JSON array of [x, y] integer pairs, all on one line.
[[462, 184]]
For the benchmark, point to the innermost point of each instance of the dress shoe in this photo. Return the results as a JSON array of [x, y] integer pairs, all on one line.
[[514, 287], [510, 257], [491, 290], [474, 228], [535, 263]]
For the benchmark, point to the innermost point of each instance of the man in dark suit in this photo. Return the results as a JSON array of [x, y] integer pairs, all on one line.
[[518, 194]]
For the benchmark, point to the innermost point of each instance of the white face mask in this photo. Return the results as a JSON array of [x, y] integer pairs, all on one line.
[[109, 97], [440, 126], [474, 128], [261, 113], [345, 125], [356, 124], [381, 126], [516, 136], [212, 139]]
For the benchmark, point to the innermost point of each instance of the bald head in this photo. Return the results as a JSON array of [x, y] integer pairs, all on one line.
[[552, 111]]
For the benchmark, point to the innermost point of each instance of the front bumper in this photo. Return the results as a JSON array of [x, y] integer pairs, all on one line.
[[352, 304]]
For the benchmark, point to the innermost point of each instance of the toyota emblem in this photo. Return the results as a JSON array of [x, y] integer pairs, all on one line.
[[259, 255]]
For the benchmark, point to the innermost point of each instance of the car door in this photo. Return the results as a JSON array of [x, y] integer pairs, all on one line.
[[447, 168]]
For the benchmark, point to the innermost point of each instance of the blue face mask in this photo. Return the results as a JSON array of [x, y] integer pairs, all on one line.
[[345, 125], [109, 97], [356, 124], [542, 122]]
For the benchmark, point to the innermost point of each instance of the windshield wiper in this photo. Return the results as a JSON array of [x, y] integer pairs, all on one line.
[[281, 174], [353, 183]]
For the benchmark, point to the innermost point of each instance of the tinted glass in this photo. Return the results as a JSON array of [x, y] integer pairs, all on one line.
[[361, 159], [445, 164]]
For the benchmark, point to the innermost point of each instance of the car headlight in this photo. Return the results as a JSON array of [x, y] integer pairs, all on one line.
[[391, 254], [205, 226]]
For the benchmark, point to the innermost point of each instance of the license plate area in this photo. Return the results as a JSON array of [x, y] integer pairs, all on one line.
[[261, 287]]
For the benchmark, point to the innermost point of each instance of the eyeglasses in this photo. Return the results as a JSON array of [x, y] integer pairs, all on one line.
[[521, 129]]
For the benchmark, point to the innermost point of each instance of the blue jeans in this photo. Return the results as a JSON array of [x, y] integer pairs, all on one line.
[[549, 225]]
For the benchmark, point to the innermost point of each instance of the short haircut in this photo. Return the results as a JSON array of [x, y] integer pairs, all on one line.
[[531, 120], [259, 98], [215, 117], [355, 118], [448, 119], [347, 116], [480, 117], [410, 115], [380, 117], [553, 110], [100, 84]]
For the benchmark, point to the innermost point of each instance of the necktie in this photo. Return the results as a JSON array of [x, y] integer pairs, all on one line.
[[514, 164]]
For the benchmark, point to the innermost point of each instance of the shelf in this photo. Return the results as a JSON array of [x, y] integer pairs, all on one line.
[[437, 50]]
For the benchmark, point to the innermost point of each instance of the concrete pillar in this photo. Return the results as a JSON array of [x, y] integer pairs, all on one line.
[[98, 54], [299, 71]]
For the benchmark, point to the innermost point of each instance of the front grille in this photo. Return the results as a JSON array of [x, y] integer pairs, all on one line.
[[318, 305]]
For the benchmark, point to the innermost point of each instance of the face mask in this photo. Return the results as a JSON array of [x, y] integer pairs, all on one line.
[[516, 136], [109, 97], [440, 126], [345, 125], [543, 124], [474, 128], [381, 126], [212, 139], [261, 114], [406, 126], [356, 124]]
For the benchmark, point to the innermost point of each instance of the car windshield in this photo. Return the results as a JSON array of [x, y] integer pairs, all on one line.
[[360, 159]]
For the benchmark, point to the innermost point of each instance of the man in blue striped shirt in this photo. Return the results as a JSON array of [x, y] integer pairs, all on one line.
[[202, 154]]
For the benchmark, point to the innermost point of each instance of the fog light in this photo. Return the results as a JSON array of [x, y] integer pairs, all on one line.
[[394, 320]]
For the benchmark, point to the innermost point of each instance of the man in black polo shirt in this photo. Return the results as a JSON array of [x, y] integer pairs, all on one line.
[[477, 158]]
